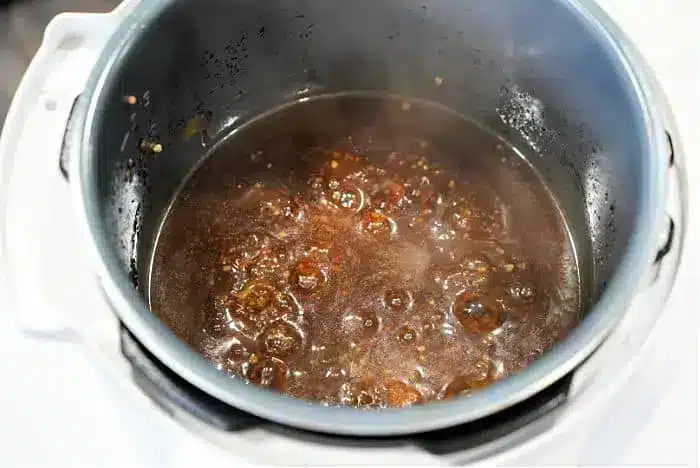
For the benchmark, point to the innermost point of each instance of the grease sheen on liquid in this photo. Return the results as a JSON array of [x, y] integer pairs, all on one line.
[[367, 252]]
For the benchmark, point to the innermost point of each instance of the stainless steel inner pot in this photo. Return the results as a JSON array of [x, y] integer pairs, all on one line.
[[557, 80]]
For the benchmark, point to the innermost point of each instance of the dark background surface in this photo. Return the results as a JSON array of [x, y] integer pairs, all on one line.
[[22, 24]]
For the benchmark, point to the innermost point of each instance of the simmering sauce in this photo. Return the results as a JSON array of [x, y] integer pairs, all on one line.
[[366, 252]]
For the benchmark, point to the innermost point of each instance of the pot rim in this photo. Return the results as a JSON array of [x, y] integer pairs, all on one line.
[[194, 368]]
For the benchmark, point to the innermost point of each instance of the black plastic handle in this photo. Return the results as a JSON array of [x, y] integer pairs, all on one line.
[[668, 244], [64, 157], [506, 422], [173, 393], [671, 149]]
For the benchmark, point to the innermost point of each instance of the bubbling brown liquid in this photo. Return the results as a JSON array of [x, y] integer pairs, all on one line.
[[366, 252]]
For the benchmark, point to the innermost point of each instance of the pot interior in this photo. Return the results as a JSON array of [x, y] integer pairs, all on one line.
[[538, 78]]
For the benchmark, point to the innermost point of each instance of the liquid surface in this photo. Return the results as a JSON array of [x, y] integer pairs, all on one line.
[[366, 252]]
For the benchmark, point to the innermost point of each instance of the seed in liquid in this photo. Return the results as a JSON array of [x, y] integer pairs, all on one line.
[[522, 292], [307, 277], [477, 265], [265, 265], [358, 394], [399, 394], [249, 246], [459, 216], [280, 205], [335, 372], [389, 196], [377, 223]]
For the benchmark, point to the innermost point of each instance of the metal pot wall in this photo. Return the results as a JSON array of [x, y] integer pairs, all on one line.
[[558, 79]]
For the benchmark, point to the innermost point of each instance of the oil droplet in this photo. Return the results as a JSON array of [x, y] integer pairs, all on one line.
[[256, 296], [217, 324], [280, 340], [236, 353], [398, 300], [289, 305], [361, 325], [406, 335], [242, 324], [474, 315], [344, 194], [464, 385]]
